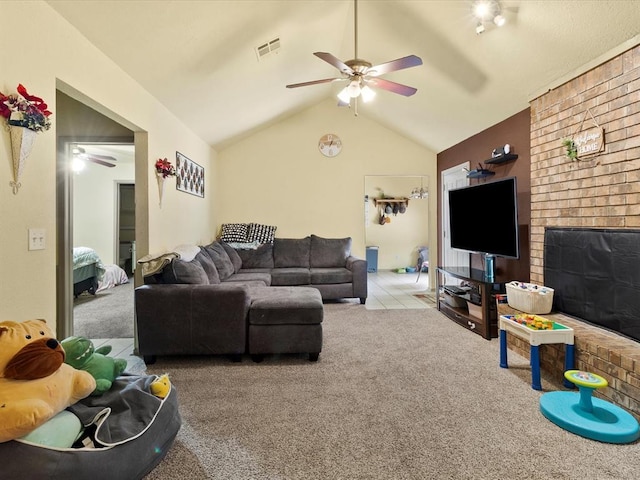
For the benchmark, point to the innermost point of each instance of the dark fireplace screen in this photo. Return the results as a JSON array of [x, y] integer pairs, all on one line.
[[596, 276]]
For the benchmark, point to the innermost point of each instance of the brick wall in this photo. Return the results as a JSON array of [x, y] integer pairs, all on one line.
[[598, 191]]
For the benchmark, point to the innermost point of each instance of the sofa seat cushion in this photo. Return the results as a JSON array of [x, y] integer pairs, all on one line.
[[290, 276], [320, 276], [285, 306], [250, 277], [329, 252]]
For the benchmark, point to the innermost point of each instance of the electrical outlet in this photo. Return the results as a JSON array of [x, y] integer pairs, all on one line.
[[37, 239]]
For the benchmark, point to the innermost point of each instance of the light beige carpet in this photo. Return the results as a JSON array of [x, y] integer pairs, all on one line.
[[396, 394]]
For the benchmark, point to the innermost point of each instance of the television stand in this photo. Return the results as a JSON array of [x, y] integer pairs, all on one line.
[[481, 316]]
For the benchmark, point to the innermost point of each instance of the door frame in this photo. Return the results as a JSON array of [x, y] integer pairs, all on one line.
[[116, 230], [459, 175], [64, 226]]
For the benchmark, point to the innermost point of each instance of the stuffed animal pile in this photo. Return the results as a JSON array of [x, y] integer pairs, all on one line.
[[81, 354], [35, 383]]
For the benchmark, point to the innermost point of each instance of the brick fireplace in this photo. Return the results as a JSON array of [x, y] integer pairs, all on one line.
[[599, 191]]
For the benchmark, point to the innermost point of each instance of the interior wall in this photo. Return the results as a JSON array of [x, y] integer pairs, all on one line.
[[398, 240], [279, 177], [515, 131], [66, 60], [95, 191]]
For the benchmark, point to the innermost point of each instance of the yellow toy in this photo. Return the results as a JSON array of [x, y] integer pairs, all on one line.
[[35, 384], [161, 386]]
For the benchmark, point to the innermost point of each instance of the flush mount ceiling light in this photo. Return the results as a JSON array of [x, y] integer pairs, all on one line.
[[487, 11]]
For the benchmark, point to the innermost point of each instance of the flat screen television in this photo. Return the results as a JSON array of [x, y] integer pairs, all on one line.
[[483, 218]]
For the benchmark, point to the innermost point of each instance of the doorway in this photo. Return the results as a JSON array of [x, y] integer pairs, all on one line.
[[126, 227], [399, 238], [103, 221], [454, 177]]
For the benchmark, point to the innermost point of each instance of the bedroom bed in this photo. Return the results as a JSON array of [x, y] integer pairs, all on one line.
[[87, 271]]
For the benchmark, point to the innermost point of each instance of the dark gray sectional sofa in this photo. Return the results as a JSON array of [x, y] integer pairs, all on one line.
[[203, 306]]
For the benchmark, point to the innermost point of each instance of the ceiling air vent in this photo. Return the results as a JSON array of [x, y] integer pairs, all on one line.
[[268, 49]]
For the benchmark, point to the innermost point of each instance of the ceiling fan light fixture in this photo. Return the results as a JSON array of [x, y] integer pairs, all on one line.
[[354, 88], [482, 9], [367, 94], [77, 164], [485, 11], [344, 96]]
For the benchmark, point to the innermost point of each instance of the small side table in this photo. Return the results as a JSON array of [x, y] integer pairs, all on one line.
[[559, 334]]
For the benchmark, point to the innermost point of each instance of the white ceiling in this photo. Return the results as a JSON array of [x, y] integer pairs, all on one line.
[[198, 57]]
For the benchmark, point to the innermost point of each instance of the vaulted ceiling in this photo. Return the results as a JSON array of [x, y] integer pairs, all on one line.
[[199, 58]]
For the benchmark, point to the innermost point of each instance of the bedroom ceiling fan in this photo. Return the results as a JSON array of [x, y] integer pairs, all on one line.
[[80, 156], [362, 75]]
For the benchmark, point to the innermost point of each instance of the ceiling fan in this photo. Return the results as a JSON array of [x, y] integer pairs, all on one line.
[[362, 75], [80, 154]]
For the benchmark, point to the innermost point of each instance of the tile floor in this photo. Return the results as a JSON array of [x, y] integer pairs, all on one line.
[[391, 290], [386, 289]]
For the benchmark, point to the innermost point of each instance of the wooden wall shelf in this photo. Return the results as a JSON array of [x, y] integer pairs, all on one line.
[[501, 159], [377, 201]]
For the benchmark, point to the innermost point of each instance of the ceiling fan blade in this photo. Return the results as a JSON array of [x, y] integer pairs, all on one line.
[[100, 162], [313, 82], [339, 64], [103, 157], [392, 86], [394, 65]]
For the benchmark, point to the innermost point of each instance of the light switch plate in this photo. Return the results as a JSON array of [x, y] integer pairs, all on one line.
[[37, 239]]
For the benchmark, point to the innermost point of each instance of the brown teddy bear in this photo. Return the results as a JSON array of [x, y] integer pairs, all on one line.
[[35, 383]]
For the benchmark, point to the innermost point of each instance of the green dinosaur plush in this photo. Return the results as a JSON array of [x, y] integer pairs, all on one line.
[[82, 355]]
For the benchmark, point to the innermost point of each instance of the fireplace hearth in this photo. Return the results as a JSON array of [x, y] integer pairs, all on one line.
[[596, 276]]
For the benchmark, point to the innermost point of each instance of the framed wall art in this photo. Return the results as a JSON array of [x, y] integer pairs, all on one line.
[[189, 176]]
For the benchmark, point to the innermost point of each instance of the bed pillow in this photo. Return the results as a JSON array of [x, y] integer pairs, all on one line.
[[234, 232], [261, 233]]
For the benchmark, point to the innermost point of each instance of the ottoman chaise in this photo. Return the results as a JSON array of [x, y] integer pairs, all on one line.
[[285, 320]]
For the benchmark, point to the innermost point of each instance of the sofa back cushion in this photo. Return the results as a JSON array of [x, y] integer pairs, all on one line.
[[291, 252], [261, 257], [236, 261], [179, 271], [208, 266], [329, 252], [221, 260]]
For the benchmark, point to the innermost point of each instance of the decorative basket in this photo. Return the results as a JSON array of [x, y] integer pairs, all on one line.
[[529, 298]]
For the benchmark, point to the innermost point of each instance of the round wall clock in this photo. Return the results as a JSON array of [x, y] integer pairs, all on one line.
[[330, 145]]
